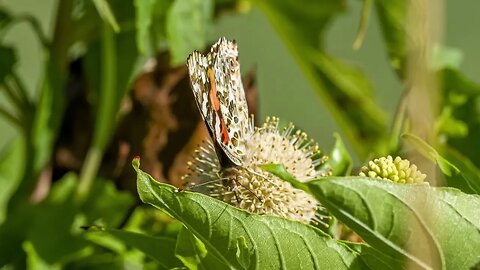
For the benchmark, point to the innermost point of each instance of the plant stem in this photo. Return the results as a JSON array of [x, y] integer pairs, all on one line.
[[88, 173], [362, 26], [105, 116]]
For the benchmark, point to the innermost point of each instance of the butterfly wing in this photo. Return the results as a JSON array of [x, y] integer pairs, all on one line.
[[219, 93]]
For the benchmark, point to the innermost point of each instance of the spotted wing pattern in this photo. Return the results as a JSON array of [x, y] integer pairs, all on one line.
[[218, 91]]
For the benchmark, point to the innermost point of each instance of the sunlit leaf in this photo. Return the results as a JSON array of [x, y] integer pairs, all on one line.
[[242, 240], [429, 152], [436, 227], [468, 180], [414, 223], [106, 13], [446, 57]]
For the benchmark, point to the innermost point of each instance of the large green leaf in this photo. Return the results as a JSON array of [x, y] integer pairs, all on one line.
[[241, 240], [420, 225], [436, 227], [345, 90], [188, 23]]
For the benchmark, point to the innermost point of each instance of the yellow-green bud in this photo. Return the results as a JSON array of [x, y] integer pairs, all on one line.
[[397, 170]]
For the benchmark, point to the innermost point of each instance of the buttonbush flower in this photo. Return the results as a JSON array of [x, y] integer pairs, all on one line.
[[397, 170], [248, 187]]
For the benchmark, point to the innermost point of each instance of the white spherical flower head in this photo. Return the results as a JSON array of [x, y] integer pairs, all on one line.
[[250, 188]]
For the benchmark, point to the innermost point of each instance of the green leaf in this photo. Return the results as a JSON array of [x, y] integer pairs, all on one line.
[[233, 235], [462, 96], [280, 171], [429, 227], [468, 180], [5, 19], [11, 172], [345, 90], [339, 159], [13, 231], [143, 21], [413, 224], [392, 17], [376, 259], [110, 69], [448, 125], [35, 262], [429, 152], [48, 117], [103, 198], [160, 249], [446, 57], [9, 59], [59, 241], [193, 253], [146, 219], [106, 13], [188, 24]]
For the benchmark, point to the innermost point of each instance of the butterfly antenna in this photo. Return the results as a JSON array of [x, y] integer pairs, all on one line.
[[191, 186]]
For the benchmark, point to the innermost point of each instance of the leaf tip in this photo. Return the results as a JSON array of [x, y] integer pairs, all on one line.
[[136, 163]]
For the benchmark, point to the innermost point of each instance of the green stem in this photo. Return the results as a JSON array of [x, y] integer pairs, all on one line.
[[105, 116], [88, 173], [362, 26], [398, 122]]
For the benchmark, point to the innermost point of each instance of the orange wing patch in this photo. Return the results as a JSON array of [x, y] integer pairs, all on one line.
[[216, 106], [213, 91]]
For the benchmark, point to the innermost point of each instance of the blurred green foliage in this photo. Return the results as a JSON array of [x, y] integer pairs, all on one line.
[[82, 220]]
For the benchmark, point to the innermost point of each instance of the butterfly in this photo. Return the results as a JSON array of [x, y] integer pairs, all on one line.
[[218, 90]]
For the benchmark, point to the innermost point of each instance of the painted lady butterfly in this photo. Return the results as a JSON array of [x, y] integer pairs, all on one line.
[[218, 90]]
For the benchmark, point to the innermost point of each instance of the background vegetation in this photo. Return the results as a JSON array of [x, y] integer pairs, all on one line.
[[77, 104]]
